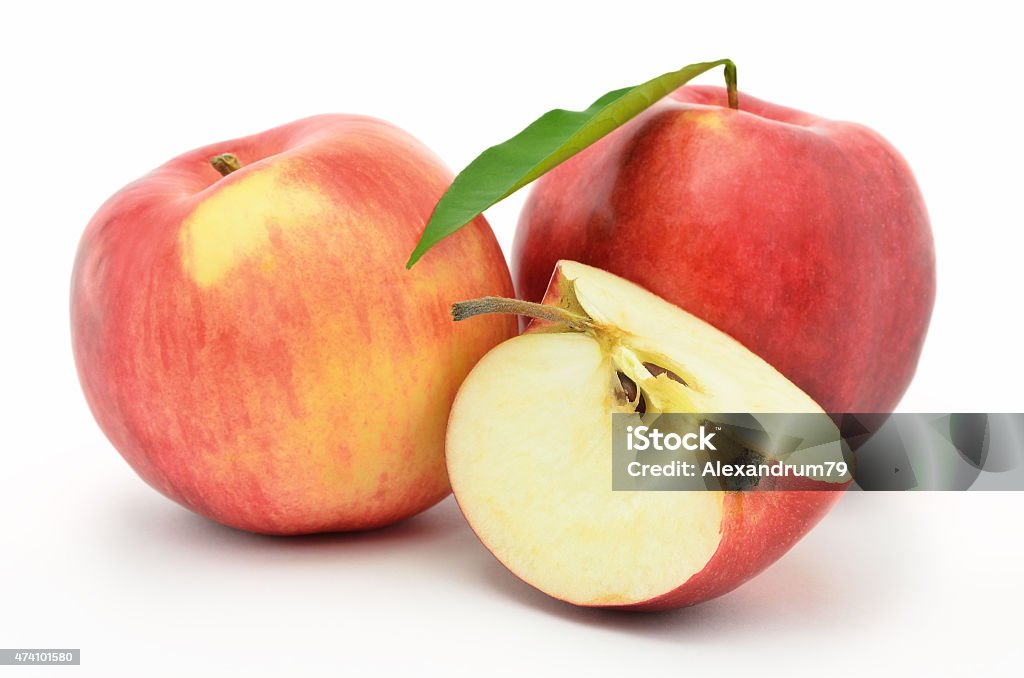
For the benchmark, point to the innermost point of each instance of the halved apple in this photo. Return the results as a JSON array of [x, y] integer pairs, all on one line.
[[529, 448]]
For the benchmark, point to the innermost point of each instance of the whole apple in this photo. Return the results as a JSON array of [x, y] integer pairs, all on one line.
[[805, 239], [248, 338]]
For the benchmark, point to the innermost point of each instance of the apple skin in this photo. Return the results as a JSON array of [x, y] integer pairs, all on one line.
[[807, 240], [253, 344], [758, 526]]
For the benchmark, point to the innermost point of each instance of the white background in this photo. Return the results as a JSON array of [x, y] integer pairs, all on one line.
[[95, 94]]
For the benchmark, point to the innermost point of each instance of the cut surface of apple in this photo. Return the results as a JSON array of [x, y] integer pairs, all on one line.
[[529, 449]]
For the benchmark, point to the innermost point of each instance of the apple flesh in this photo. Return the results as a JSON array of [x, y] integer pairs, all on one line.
[[252, 343], [529, 451], [805, 239]]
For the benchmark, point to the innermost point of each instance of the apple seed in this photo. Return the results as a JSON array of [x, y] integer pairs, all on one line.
[[655, 370], [628, 386]]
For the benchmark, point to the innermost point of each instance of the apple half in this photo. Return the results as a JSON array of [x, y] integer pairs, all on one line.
[[529, 448]]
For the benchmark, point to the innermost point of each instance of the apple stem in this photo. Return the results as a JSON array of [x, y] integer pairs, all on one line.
[[730, 85], [467, 309], [225, 163]]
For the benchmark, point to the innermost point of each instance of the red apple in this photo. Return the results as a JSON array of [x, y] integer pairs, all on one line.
[[805, 239], [252, 343], [530, 449]]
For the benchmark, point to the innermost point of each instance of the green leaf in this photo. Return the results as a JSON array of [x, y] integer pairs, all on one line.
[[550, 140]]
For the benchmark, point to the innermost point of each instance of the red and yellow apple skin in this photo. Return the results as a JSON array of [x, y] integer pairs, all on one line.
[[805, 239], [253, 345], [758, 527]]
